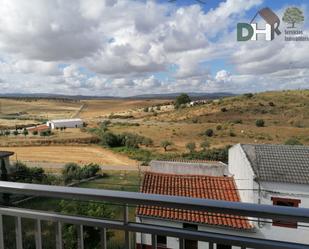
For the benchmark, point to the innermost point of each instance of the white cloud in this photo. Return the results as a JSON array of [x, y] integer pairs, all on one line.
[[117, 47]]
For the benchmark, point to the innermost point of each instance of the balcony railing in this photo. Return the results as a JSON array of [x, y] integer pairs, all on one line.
[[131, 198]]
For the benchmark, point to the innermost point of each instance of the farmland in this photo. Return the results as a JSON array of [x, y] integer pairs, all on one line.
[[285, 116]]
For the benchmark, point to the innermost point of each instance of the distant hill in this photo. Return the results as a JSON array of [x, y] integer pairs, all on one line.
[[193, 95]]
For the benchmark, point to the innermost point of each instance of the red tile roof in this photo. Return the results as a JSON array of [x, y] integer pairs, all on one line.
[[196, 186], [39, 128]]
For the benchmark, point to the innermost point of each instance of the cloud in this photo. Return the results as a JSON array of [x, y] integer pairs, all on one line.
[[118, 47]]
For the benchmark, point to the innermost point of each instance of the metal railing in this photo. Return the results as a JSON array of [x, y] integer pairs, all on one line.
[[131, 198]]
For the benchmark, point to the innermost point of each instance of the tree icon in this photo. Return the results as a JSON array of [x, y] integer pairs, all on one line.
[[293, 15]]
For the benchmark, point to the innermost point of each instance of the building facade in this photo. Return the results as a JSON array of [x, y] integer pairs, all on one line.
[[273, 175], [65, 123], [189, 185]]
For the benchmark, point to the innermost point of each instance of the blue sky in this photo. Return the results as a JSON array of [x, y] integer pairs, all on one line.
[[113, 47]]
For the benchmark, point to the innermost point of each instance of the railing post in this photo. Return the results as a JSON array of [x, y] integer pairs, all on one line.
[[1, 232], [18, 233], [38, 235], [126, 222], [154, 241], [80, 237], [103, 239], [59, 244]]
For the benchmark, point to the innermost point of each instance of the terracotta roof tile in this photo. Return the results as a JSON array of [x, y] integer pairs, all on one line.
[[196, 186]]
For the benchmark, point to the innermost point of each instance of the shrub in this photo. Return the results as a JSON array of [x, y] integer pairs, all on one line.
[[223, 109], [293, 141], [219, 127], [89, 170], [165, 144], [35, 133], [248, 95], [209, 132], [260, 123], [194, 120], [110, 139], [146, 109], [271, 104], [191, 147]]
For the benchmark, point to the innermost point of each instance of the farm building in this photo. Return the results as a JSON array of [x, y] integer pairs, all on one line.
[[65, 123]]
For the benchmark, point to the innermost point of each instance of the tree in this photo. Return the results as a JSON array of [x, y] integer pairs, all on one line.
[[25, 132], [35, 132], [260, 123], [191, 147], [293, 15], [209, 132], [7, 133], [92, 234], [15, 133], [181, 100], [165, 144]]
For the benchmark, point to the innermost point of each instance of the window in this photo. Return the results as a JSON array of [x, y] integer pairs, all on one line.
[[161, 241], [220, 246], [190, 244], [286, 202]]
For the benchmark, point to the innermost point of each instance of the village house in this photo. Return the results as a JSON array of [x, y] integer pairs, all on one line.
[[65, 123], [196, 179], [273, 175]]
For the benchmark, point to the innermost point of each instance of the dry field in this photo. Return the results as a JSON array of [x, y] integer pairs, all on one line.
[[65, 154], [286, 115], [95, 110]]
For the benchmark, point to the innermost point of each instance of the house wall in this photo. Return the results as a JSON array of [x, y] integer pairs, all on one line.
[[173, 243], [239, 166], [187, 168], [67, 124]]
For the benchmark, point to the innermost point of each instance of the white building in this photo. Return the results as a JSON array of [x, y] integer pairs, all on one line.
[[273, 175], [65, 123], [189, 180]]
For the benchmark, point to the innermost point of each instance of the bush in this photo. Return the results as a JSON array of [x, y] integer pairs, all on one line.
[[73, 171], [217, 154], [260, 123], [35, 133], [146, 109], [223, 109], [209, 132], [237, 121], [271, 104], [109, 139], [248, 95], [219, 127], [293, 141], [25, 174], [191, 147]]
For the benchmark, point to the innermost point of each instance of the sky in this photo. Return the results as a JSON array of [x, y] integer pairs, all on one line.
[[132, 47]]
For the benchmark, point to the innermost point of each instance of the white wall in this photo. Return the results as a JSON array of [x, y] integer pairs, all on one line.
[[173, 243], [189, 168], [239, 167], [67, 124]]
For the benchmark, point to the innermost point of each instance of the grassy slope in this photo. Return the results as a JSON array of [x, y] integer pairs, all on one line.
[[289, 117]]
